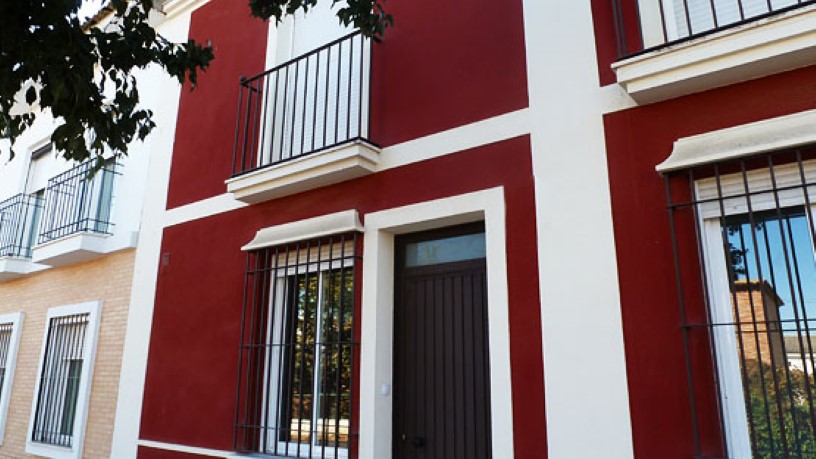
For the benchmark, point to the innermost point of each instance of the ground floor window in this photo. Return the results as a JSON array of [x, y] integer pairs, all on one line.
[[10, 325], [298, 349], [63, 383], [754, 221]]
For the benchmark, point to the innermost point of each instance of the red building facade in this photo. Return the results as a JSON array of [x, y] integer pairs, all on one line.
[[404, 248]]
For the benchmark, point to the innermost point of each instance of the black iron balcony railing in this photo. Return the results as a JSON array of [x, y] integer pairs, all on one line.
[[645, 25], [312, 103], [19, 216], [79, 201]]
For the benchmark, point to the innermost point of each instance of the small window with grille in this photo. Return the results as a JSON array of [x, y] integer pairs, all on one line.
[[9, 341], [754, 304], [63, 383], [299, 345]]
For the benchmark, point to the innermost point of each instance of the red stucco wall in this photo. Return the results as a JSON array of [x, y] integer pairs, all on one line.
[[192, 367], [637, 140]]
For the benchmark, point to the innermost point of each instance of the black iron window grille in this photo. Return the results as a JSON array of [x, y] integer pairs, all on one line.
[[312, 103], [79, 200], [59, 380], [19, 219], [652, 24], [743, 236], [5, 346], [298, 349]]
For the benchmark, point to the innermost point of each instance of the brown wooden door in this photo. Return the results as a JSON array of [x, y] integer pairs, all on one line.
[[441, 367]]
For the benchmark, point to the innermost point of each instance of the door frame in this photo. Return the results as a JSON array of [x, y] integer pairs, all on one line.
[[377, 325]]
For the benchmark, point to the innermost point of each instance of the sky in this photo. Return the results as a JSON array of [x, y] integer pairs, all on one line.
[[89, 8]]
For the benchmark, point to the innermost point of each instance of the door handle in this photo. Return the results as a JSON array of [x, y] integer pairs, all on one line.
[[416, 442]]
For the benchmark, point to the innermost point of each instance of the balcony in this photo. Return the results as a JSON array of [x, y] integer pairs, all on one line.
[[19, 216], [668, 48], [76, 219], [305, 123]]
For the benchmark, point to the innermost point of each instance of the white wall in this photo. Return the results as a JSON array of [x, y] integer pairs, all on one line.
[[161, 94], [586, 390], [129, 187]]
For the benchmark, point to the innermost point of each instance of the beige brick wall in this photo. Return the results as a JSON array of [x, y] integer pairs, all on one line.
[[107, 279]]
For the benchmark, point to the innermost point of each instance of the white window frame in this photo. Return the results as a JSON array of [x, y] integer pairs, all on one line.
[[16, 319], [735, 418], [94, 310], [279, 309]]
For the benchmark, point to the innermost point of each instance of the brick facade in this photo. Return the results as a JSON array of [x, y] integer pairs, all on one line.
[[107, 279]]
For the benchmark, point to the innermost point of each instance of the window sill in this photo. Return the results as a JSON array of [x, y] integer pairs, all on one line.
[[14, 268], [80, 247], [750, 51], [345, 162], [51, 451]]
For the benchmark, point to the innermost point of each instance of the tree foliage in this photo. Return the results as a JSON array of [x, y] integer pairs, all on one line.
[[82, 72], [369, 16]]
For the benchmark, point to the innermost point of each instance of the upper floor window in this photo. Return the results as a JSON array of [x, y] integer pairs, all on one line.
[[667, 21], [756, 304], [683, 18], [314, 102], [79, 200], [299, 345]]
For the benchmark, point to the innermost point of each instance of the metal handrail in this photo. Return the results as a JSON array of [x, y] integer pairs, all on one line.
[[316, 101], [625, 22]]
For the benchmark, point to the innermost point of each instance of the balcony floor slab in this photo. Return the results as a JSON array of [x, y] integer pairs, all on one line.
[[14, 268], [345, 162]]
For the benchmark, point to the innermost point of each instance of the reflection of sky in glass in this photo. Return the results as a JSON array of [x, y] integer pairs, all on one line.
[[792, 276], [459, 248]]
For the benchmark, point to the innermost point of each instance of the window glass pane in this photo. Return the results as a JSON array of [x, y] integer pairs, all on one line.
[[71, 394], [334, 410], [447, 250], [301, 358], [773, 299]]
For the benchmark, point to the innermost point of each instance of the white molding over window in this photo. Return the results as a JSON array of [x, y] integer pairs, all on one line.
[[744, 140], [310, 228], [93, 309], [378, 311], [13, 344], [752, 50]]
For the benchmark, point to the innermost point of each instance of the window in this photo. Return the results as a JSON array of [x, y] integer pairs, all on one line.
[[684, 18], [10, 325], [690, 17], [298, 351], [63, 384], [79, 200], [755, 305], [312, 103], [19, 217]]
